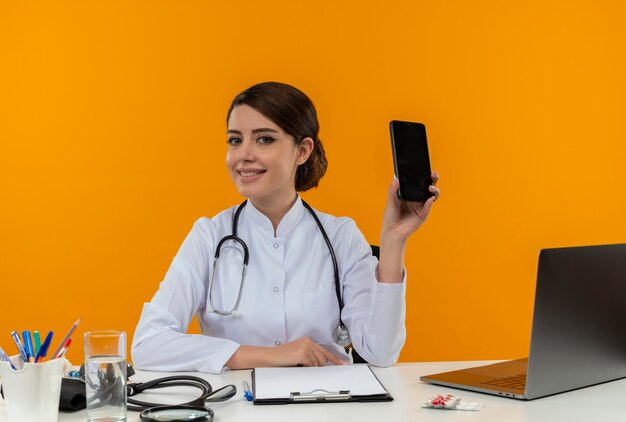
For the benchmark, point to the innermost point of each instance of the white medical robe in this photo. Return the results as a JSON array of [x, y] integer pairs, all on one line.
[[288, 293]]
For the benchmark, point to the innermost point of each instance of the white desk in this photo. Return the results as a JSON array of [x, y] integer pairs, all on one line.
[[605, 402]]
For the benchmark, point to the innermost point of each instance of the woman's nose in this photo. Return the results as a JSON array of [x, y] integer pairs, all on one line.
[[245, 152]]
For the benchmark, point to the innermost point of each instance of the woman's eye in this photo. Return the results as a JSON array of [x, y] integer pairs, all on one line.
[[265, 139], [234, 141]]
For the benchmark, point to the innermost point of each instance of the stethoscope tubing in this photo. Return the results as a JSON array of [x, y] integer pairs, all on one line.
[[332, 255], [246, 256], [341, 328], [208, 394]]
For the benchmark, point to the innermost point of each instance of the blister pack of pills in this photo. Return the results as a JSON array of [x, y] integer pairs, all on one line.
[[451, 402]]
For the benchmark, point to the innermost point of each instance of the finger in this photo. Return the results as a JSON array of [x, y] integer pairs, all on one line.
[[427, 205], [320, 359], [435, 190], [316, 353], [312, 358], [392, 192], [331, 357], [435, 176]]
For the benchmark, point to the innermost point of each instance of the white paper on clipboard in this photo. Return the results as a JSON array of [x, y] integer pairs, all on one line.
[[274, 383]]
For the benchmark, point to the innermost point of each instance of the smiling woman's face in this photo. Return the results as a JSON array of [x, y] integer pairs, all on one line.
[[262, 159]]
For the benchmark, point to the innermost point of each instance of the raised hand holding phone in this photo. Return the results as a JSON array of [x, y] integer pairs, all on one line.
[[410, 197]]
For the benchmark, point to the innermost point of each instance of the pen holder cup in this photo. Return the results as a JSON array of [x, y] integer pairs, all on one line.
[[32, 391]]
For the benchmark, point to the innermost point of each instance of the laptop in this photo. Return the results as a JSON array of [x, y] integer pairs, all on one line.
[[578, 334]]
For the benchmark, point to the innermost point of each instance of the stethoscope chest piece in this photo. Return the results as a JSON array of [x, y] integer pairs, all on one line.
[[177, 413], [341, 337]]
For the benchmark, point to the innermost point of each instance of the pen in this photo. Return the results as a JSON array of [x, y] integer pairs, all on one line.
[[18, 343], [3, 356], [37, 341], [44, 347], [28, 346], [247, 394], [56, 352], [63, 350]]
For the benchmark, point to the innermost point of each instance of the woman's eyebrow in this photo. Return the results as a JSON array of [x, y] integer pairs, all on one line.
[[264, 129], [261, 129]]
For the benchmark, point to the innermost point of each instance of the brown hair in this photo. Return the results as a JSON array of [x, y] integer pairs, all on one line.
[[293, 112]]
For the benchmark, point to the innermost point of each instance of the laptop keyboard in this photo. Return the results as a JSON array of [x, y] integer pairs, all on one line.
[[514, 381]]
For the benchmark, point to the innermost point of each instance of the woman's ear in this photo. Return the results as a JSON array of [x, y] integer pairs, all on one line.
[[305, 148]]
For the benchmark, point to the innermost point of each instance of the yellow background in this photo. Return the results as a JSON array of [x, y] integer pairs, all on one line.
[[112, 131]]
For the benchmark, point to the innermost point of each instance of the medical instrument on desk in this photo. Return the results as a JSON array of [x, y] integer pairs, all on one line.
[[177, 413], [340, 335], [208, 394], [73, 395], [194, 410]]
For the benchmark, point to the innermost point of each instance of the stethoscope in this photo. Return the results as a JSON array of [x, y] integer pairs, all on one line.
[[195, 410], [340, 335]]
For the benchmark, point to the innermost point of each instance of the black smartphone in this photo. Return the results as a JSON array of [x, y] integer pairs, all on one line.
[[411, 160]]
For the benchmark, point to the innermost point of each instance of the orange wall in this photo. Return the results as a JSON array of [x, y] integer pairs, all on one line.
[[112, 131]]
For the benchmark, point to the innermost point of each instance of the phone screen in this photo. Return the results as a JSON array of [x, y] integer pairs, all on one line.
[[411, 160]]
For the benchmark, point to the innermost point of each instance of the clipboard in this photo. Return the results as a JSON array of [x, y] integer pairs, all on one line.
[[322, 384]]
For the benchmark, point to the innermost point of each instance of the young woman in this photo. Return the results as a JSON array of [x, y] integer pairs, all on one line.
[[311, 285]]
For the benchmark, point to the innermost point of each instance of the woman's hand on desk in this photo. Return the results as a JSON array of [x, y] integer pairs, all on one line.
[[301, 352]]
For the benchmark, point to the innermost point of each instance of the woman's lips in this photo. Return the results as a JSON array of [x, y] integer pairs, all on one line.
[[250, 175]]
